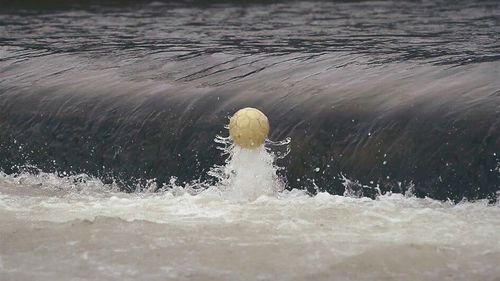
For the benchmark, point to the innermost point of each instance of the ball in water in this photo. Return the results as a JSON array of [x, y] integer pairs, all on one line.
[[249, 127]]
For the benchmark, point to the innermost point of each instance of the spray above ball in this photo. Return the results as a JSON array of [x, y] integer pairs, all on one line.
[[249, 128]]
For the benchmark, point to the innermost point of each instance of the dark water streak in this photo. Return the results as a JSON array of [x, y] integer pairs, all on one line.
[[389, 94]]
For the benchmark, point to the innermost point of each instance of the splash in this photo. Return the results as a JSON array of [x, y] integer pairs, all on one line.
[[249, 173]]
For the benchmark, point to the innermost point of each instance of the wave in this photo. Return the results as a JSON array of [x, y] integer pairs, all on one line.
[[134, 103]]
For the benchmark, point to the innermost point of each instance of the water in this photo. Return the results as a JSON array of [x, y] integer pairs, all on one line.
[[390, 95], [109, 169], [54, 229], [244, 227]]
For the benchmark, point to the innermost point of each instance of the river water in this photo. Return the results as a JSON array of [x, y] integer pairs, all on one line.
[[383, 161], [55, 229]]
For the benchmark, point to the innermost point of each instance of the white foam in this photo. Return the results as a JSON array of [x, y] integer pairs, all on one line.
[[242, 227]]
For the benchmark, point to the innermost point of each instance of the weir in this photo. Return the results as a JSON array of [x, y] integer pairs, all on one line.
[[383, 96], [389, 128]]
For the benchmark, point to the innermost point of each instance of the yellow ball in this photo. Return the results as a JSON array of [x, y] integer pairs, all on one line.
[[248, 127]]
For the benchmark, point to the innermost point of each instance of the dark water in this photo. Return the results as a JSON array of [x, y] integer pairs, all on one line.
[[390, 95]]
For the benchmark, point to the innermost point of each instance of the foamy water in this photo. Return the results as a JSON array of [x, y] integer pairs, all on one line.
[[76, 228]]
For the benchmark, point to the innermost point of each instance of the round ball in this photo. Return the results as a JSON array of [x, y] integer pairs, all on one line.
[[249, 127]]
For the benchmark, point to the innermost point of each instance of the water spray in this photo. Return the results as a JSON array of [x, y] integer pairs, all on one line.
[[249, 170]]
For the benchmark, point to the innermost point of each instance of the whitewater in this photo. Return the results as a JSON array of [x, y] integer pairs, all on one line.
[[244, 227]]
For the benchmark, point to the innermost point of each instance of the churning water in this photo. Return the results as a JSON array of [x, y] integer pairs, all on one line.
[[77, 228], [109, 169], [245, 227]]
